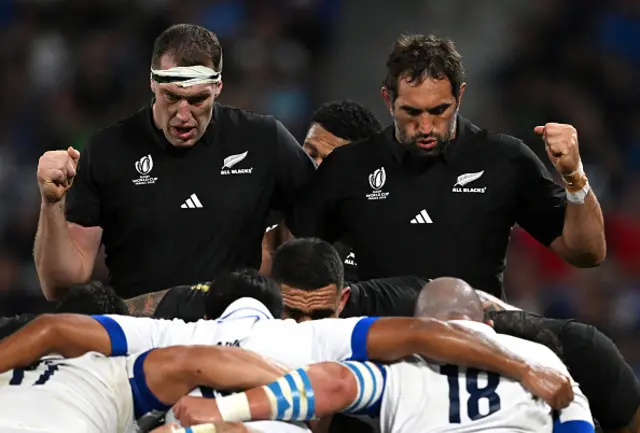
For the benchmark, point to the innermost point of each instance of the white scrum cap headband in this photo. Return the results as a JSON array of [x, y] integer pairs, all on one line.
[[185, 76]]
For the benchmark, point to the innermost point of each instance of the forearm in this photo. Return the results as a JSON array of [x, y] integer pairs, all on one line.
[[63, 334], [319, 390], [583, 233], [58, 261], [395, 338], [229, 368], [145, 305]]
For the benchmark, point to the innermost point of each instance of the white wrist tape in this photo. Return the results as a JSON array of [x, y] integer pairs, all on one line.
[[201, 428], [578, 197], [234, 407], [579, 171]]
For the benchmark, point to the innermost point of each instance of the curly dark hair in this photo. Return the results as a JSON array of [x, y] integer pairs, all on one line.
[[420, 57], [190, 45], [347, 120]]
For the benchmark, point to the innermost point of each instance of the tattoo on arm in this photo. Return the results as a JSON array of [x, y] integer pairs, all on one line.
[[145, 305]]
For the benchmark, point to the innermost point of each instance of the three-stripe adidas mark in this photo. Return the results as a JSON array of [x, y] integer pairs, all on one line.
[[192, 203], [422, 218]]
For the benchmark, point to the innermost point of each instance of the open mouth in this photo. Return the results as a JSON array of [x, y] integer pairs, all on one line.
[[183, 132]]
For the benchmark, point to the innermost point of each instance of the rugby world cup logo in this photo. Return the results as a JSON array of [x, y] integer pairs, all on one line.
[[144, 165], [377, 179]]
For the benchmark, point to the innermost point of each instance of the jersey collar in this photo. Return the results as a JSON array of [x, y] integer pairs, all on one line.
[[246, 307]]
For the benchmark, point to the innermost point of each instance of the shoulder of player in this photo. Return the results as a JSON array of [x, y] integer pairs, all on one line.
[[403, 282], [353, 154], [533, 352], [241, 118], [106, 139]]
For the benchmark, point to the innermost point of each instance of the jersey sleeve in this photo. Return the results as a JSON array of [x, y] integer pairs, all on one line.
[[541, 202], [339, 339], [138, 334], [293, 168], [315, 212], [575, 418], [184, 303], [83, 198]]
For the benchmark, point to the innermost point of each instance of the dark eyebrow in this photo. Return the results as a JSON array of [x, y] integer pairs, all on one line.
[[432, 110]]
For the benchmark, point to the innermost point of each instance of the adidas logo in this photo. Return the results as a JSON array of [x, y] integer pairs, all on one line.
[[192, 203], [422, 218]]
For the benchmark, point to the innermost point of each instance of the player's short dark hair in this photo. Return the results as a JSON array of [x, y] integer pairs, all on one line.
[[526, 326], [347, 120], [93, 297], [420, 57], [190, 45], [243, 283], [308, 264]]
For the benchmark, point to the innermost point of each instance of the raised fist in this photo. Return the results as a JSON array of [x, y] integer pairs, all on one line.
[[56, 170], [561, 143]]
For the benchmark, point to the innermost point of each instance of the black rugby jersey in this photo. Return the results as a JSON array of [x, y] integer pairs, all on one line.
[[452, 216], [174, 216]]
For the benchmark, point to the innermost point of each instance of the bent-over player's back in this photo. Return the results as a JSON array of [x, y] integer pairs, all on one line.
[[86, 394], [424, 396]]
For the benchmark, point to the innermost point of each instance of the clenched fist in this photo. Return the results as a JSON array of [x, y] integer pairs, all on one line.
[[561, 143], [56, 170]]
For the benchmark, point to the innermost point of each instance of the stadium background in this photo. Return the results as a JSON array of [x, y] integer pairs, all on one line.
[[69, 67]]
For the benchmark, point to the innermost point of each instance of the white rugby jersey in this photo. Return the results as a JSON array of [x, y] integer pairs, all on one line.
[[246, 323], [82, 395], [424, 396]]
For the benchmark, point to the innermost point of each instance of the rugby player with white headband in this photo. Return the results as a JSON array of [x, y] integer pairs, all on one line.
[[178, 192]]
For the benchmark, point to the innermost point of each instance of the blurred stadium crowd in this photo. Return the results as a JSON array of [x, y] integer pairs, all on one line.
[[70, 67]]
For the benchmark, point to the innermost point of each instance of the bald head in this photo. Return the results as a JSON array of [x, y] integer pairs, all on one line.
[[449, 298]]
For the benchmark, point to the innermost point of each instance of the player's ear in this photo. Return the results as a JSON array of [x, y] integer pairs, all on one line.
[[344, 297], [217, 89], [463, 86], [489, 322], [388, 98]]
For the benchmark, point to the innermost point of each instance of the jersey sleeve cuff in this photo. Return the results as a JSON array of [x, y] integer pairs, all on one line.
[[359, 339], [117, 336], [575, 426]]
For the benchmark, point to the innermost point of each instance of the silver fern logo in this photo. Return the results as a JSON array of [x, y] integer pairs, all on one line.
[[377, 179], [230, 161], [467, 178], [144, 166]]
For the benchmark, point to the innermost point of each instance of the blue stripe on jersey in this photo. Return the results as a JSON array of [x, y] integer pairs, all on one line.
[[376, 406], [359, 339], [311, 396], [574, 426], [373, 406], [144, 401], [281, 402], [295, 396], [116, 335]]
